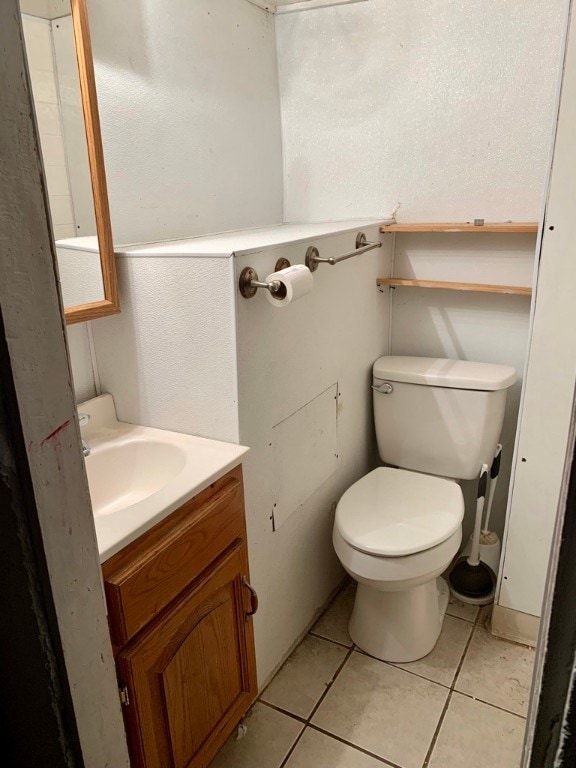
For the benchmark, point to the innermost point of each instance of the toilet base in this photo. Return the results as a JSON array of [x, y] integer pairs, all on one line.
[[399, 626]]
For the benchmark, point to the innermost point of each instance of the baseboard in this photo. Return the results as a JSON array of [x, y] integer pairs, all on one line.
[[515, 625]]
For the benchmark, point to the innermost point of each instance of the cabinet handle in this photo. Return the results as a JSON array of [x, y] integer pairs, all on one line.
[[253, 598]]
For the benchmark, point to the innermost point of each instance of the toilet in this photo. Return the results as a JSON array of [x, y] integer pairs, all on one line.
[[399, 527]]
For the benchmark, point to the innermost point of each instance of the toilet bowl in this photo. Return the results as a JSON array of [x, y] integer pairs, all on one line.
[[397, 529], [395, 532]]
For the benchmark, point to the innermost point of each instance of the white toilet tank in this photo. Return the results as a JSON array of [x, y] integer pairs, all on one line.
[[442, 417]]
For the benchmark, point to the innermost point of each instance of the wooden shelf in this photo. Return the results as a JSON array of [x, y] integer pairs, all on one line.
[[508, 227], [399, 282]]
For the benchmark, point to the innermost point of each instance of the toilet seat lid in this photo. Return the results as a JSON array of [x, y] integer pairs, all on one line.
[[394, 512]]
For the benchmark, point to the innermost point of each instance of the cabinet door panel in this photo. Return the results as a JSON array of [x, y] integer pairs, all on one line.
[[208, 663], [191, 676]]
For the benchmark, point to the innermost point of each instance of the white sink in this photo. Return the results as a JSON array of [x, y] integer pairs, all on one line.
[[126, 472], [138, 475]]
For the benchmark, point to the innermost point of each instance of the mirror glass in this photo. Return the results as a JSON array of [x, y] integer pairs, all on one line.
[[83, 246]]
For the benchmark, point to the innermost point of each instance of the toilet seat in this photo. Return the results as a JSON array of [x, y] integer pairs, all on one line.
[[395, 512]]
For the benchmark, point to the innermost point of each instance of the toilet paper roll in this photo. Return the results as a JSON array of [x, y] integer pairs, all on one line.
[[295, 281]]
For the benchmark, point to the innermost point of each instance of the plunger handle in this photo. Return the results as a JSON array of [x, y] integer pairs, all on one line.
[[474, 558], [494, 472]]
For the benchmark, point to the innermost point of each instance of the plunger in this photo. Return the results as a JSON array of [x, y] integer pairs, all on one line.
[[471, 580], [487, 536]]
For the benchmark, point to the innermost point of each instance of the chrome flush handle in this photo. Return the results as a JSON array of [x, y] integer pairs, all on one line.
[[383, 389]]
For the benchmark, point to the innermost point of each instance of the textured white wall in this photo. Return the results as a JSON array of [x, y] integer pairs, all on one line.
[[550, 377], [286, 358], [80, 273], [488, 328], [190, 114], [169, 358], [81, 361], [444, 108]]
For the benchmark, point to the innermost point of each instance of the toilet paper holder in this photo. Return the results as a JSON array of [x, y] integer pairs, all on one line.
[[249, 282]]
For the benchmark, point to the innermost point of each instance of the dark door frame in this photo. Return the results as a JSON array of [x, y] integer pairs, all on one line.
[[59, 692], [552, 743]]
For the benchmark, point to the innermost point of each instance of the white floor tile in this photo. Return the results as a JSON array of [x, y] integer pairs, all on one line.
[[441, 664], [382, 709], [334, 623], [267, 741], [476, 735], [303, 679], [497, 672], [316, 750], [462, 610]]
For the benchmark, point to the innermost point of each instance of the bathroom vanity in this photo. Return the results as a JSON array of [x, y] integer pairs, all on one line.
[[176, 578], [180, 608]]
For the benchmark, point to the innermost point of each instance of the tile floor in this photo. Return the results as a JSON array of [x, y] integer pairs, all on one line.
[[332, 706]]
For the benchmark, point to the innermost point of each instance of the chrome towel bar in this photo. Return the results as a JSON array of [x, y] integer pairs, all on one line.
[[313, 257]]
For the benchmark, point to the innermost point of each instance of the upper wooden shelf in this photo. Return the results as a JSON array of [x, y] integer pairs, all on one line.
[[507, 227]]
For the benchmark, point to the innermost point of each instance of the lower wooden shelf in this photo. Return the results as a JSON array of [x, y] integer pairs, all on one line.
[[399, 282]]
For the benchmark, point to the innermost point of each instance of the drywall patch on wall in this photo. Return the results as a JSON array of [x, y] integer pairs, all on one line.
[[190, 113], [305, 450], [445, 108]]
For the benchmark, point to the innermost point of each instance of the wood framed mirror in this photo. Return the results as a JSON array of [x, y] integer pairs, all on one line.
[[61, 70]]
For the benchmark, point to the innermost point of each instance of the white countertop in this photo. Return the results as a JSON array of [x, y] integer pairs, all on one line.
[[228, 244], [113, 445]]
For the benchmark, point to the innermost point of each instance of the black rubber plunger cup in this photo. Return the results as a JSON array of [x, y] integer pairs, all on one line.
[[470, 577]]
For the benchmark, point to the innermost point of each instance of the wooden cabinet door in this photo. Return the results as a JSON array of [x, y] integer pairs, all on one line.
[[192, 675]]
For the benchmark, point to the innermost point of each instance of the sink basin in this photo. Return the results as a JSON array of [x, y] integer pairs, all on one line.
[[138, 475], [120, 475]]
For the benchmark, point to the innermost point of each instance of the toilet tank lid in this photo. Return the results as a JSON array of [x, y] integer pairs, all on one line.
[[440, 372]]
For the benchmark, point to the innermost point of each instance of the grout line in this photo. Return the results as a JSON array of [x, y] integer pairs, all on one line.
[[449, 699], [462, 658], [292, 748], [331, 683], [461, 618], [354, 746], [282, 711], [489, 704], [330, 640], [316, 706], [437, 731], [401, 669]]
